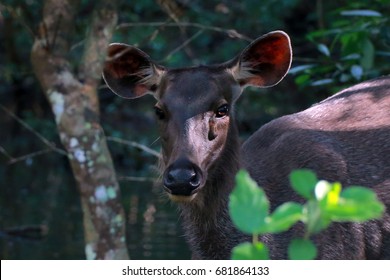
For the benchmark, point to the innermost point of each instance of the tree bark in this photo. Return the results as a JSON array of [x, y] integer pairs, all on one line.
[[74, 102]]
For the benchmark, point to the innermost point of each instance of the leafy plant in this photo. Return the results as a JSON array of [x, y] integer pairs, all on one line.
[[326, 203], [351, 48]]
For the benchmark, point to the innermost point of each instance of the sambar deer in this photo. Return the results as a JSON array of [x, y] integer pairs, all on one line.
[[344, 138]]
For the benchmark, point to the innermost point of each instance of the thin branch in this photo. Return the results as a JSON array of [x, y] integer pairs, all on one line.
[[15, 15], [45, 35], [320, 15], [175, 12], [77, 45], [151, 37], [155, 141], [13, 160], [32, 232], [29, 156], [56, 29], [306, 60], [134, 144], [4, 152], [51, 145], [189, 40], [230, 32], [137, 179]]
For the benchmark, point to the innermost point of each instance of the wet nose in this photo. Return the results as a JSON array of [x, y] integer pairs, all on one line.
[[182, 178]]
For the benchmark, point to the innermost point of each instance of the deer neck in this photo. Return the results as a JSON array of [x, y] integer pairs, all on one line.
[[206, 221]]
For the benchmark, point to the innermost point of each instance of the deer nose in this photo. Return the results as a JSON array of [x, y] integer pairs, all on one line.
[[182, 178]]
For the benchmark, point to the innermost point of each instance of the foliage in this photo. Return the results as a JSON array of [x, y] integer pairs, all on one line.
[[352, 47], [326, 203], [33, 195]]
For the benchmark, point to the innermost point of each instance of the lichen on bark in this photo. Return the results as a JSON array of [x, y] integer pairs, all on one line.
[[74, 102]]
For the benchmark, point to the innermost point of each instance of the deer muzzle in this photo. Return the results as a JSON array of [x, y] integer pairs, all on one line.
[[182, 178]]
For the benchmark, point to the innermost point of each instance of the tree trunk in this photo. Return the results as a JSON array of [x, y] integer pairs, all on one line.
[[74, 102]]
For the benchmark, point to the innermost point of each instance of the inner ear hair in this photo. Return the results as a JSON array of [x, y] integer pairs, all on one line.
[[241, 71], [151, 75]]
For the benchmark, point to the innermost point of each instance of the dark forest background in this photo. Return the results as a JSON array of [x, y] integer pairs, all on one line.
[[335, 44]]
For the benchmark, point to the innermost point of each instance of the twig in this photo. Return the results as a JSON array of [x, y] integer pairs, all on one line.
[[13, 160], [56, 28], [134, 144], [175, 12], [77, 45], [33, 232], [4, 152], [51, 145], [31, 155], [150, 37], [136, 179], [15, 15], [231, 32], [155, 141], [320, 15], [46, 44], [185, 43]]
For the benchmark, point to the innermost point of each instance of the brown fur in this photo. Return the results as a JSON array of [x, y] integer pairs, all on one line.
[[345, 138]]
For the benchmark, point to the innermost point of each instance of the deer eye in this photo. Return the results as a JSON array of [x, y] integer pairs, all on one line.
[[222, 111], [159, 113]]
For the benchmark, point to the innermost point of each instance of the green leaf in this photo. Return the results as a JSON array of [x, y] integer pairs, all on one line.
[[248, 204], [302, 79], [361, 13], [357, 72], [314, 217], [349, 43], [303, 181], [367, 59], [357, 204], [358, 193], [285, 216], [323, 49], [300, 68], [249, 251], [352, 56], [322, 82], [302, 249]]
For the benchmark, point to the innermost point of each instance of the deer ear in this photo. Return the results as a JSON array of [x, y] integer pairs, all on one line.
[[129, 72], [264, 62]]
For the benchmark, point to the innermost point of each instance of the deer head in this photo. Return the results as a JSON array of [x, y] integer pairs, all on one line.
[[195, 105]]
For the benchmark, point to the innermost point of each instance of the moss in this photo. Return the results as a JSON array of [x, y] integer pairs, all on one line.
[[88, 125], [95, 147], [73, 142], [90, 252], [80, 155], [57, 104], [101, 159], [111, 192], [118, 219], [101, 194]]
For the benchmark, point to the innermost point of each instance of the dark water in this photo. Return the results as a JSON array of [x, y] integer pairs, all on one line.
[[40, 215]]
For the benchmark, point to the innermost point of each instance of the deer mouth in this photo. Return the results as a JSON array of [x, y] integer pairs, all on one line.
[[182, 198], [182, 180], [182, 194]]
